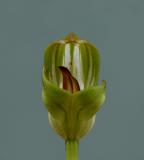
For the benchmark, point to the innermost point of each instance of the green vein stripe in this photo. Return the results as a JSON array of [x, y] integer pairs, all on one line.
[[53, 59], [84, 63], [96, 64], [90, 69], [72, 47], [49, 59], [59, 61]]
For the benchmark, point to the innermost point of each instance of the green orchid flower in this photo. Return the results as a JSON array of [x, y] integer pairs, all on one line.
[[70, 89]]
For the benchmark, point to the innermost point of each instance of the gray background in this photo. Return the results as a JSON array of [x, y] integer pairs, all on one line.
[[117, 28]]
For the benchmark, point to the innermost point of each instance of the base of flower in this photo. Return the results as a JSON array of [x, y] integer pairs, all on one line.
[[71, 147]]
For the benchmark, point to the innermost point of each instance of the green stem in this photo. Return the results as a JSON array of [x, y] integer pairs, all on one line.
[[71, 149]]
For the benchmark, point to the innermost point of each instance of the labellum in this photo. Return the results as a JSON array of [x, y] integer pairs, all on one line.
[[69, 82]]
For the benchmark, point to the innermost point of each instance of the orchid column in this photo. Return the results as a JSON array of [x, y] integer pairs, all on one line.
[[70, 89]]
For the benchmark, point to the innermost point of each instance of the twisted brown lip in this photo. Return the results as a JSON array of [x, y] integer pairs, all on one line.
[[70, 83]]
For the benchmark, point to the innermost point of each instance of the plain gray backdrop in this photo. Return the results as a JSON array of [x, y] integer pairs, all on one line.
[[117, 29]]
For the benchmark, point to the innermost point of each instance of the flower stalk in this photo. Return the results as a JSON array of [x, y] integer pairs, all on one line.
[[71, 149]]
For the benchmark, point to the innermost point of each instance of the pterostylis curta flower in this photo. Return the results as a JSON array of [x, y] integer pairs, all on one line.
[[70, 89]]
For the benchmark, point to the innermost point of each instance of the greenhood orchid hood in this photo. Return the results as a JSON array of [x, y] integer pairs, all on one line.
[[70, 89]]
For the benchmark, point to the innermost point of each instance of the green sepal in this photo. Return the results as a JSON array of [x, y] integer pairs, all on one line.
[[72, 115], [55, 99], [89, 101]]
